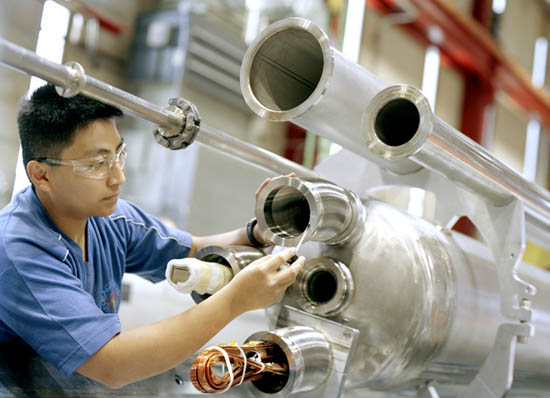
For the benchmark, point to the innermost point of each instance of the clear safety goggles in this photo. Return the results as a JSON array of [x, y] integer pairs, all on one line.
[[97, 167]]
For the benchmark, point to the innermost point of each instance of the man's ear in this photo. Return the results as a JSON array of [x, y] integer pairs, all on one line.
[[39, 175]]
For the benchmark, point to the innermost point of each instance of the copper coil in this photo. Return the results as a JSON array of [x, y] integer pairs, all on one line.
[[206, 380]]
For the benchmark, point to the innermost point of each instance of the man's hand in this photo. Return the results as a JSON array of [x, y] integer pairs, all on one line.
[[264, 281], [152, 349]]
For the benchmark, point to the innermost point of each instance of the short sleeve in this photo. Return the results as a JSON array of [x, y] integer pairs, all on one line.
[[150, 244], [46, 305]]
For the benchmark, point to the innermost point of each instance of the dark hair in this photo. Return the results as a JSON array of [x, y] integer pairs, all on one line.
[[47, 122]]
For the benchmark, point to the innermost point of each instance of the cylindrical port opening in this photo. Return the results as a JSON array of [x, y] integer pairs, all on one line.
[[323, 287], [307, 354], [271, 383], [287, 212], [397, 122], [286, 69], [320, 287], [291, 208]]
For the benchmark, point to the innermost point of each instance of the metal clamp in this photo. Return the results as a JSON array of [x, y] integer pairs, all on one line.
[[76, 81], [182, 138]]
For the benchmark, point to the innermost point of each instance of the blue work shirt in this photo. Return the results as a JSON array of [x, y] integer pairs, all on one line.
[[60, 305]]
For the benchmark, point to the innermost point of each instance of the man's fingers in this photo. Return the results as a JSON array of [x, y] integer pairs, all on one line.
[[287, 275], [275, 262], [266, 181]]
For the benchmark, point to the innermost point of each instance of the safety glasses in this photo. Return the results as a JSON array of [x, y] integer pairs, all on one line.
[[97, 167]]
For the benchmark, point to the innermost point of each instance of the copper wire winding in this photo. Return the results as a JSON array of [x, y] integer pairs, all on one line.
[[255, 366]]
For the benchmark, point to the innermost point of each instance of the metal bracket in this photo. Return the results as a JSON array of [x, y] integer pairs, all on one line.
[[180, 139]]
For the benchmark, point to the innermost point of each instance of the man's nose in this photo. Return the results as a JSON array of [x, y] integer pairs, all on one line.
[[116, 176]]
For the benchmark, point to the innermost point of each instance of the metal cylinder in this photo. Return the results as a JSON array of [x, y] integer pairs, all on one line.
[[291, 73], [426, 303], [399, 123], [235, 257], [324, 287], [307, 354], [288, 207]]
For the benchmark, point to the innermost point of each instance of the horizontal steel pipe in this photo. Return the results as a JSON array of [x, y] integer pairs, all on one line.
[[72, 79], [291, 73], [399, 123], [247, 152]]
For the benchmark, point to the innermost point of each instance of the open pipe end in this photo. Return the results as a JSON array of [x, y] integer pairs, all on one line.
[[397, 122], [285, 68], [307, 354], [284, 210]]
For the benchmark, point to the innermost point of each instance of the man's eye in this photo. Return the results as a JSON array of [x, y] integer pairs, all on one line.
[[96, 164]]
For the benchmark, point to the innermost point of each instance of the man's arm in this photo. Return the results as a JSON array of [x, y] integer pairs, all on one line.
[[156, 348], [237, 237]]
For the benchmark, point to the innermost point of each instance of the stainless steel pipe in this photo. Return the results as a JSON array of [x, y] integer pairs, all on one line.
[[72, 79], [289, 207], [399, 123], [291, 73], [307, 354]]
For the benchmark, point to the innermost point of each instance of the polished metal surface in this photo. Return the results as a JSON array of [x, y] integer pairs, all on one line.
[[426, 302], [307, 354], [399, 123], [236, 257], [324, 286], [403, 299], [247, 152], [287, 205], [71, 79], [291, 73]]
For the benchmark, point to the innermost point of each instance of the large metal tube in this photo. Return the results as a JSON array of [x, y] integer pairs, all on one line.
[[289, 207], [426, 302], [307, 354], [291, 73], [72, 79], [399, 123]]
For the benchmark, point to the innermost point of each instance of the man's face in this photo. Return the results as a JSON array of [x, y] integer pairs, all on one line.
[[81, 197]]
